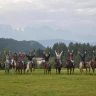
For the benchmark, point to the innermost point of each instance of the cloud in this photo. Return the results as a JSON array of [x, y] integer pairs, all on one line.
[[77, 16]]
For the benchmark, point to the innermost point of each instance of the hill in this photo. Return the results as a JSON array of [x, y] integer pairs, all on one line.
[[19, 46]]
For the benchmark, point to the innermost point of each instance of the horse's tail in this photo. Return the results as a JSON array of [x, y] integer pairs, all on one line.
[[81, 65]]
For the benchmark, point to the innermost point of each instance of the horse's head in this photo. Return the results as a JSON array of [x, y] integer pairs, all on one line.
[[57, 61], [67, 61]]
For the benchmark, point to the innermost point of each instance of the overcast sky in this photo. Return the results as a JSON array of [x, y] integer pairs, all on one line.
[[78, 17]]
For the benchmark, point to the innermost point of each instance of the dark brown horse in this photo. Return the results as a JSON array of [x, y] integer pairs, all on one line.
[[70, 66], [18, 66], [58, 66], [47, 67]]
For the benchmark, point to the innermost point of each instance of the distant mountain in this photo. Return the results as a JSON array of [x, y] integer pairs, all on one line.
[[19, 46], [50, 43], [36, 33]]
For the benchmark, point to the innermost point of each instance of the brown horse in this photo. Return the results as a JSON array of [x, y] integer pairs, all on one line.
[[47, 67], [23, 66], [93, 65], [58, 66], [70, 66], [19, 67], [88, 66]]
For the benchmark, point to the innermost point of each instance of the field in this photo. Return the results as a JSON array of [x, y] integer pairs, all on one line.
[[40, 84]]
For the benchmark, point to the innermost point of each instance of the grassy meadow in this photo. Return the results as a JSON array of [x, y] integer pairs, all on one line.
[[40, 84]]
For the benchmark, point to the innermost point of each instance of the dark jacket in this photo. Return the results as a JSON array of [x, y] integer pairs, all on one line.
[[30, 57], [94, 57], [46, 58], [82, 57]]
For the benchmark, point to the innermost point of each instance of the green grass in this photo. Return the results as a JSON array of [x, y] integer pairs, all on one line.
[[40, 84]]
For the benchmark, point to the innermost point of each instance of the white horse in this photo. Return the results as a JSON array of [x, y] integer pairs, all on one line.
[[81, 66], [88, 67], [7, 65], [13, 63]]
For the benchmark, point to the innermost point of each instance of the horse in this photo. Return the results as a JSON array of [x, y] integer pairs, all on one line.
[[16, 65], [7, 66], [19, 67], [87, 67], [13, 63], [81, 66], [58, 66], [70, 66], [93, 65], [47, 67], [30, 66]]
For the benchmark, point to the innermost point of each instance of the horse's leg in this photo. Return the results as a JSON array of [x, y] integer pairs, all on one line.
[[67, 70], [5, 70], [34, 67], [82, 70], [60, 70], [21, 70], [70, 70], [56, 70], [8, 70], [89, 70], [50, 70], [93, 70], [24, 70], [30, 68], [86, 70], [46, 70], [73, 69]]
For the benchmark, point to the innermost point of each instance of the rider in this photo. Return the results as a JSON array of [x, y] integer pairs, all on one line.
[[22, 56], [94, 56], [7, 55], [15, 56], [58, 56], [30, 57], [71, 57], [82, 56], [47, 56]]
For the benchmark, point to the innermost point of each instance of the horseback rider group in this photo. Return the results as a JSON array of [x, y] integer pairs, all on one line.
[[20, 57]]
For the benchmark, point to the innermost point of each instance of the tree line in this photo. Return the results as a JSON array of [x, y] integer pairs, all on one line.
[[77, 47]]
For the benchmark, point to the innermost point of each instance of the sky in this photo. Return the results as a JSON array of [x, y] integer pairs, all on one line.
[[66, 19]]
